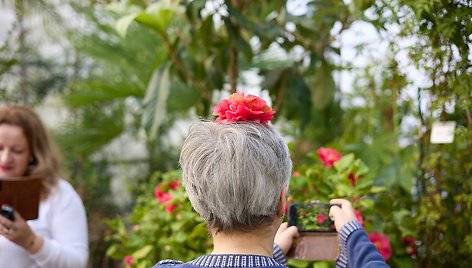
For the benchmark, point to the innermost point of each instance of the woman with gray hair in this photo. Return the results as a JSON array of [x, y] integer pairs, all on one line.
[[236, 172]]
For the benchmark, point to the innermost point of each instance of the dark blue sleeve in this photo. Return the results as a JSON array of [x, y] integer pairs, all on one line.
[[359, 250]]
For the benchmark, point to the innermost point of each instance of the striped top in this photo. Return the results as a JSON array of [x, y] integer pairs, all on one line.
[[359, 252], [231, 260]]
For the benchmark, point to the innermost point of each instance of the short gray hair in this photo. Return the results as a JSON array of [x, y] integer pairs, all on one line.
[[233, 173]]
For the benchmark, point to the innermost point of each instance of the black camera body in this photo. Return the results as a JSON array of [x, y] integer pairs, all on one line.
[[7, 212]]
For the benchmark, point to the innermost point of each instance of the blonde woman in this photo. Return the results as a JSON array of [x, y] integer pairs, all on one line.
[[58, 237]]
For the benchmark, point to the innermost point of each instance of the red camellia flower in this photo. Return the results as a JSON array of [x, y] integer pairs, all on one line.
[[162, 191], [243, 108], [352, 178], [410, 243], [359, 217], [320, 218], [328, 156], [173, 185], [382, 243], [170, 208], [162, 196], [128, 260]]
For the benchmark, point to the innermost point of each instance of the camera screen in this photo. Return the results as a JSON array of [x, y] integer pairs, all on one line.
[[311, 217]]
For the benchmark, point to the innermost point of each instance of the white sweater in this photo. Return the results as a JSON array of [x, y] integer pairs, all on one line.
[[63, 225]]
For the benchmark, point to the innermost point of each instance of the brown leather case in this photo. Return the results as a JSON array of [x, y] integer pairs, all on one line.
[[22, 194], [315, 246]]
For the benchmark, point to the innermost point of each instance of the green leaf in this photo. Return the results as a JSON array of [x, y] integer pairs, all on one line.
[[298, 263], [155, 100], [377, 189], [323, 86], [237, 40], [344, 163], [142, 252], [123, 23], [159, 16], [99, 92], [321, 264]]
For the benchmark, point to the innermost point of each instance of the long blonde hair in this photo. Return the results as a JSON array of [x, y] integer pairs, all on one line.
[[45, 159]]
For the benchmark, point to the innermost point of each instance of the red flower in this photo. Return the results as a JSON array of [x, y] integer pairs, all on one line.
[[128, 260], [320, 218], [243, 108], [296, 173], [162, 196], [161, 192], [352, 178], [410, 243], [174, 185], [359, 217], [328, 156], [382, 243], [170, 208]]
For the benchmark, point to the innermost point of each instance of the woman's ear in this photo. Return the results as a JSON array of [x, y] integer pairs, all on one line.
[[282, 202]]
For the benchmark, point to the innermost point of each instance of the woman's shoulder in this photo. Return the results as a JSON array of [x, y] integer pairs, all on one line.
[[64, 190]]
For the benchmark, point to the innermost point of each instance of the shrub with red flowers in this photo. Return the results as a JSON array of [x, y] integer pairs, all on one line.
[[163, 221], [160, 227], [328, 174]]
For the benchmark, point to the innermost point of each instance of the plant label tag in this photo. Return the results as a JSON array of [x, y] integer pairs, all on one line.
[[443, 132]]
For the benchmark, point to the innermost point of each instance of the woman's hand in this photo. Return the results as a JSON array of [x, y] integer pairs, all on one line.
[[285, 236], [342, 213], [19, 232]]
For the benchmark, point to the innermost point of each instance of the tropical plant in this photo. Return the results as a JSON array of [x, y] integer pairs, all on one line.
[[27, 75], [161, 226]]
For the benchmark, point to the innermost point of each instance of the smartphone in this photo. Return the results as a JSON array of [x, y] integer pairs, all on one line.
[[311, 217], [7, 212]]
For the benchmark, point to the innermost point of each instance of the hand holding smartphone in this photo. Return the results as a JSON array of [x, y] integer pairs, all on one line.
[[318, 238], [7, 212]]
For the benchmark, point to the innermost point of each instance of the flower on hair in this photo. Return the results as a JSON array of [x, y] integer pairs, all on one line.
[[328, 156], [239, 107], [382, 243]]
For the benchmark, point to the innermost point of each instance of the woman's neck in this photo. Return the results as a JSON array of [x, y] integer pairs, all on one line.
[[255, 242]]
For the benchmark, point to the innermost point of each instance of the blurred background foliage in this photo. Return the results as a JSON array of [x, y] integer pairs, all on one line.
[[132, 74]]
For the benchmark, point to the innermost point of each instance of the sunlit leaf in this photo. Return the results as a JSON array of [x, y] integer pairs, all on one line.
[[123, 23], [142, 252], [155, 101]]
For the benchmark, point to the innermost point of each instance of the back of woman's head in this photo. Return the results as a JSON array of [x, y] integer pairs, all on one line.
[[234, 173], [45, 160]]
